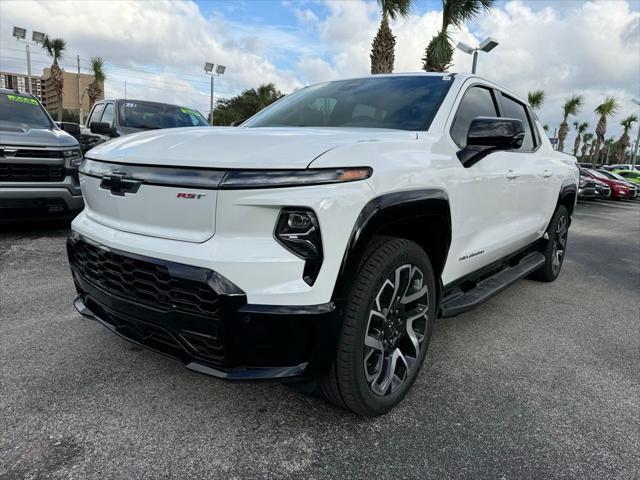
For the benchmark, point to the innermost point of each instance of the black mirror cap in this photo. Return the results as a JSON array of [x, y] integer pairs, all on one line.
[[496, 133], [71, 128], [101, 128]]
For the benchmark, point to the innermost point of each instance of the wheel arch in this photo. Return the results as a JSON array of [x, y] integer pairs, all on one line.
[[397, 215], [568, 196]]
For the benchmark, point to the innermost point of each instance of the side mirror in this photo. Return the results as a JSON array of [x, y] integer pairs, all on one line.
[[102, 128], [71, 128], [489, 134]]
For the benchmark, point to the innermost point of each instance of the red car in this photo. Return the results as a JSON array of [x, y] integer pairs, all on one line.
[[619, 189]]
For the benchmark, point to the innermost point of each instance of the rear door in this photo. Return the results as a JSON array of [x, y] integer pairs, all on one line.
[[532, 176]]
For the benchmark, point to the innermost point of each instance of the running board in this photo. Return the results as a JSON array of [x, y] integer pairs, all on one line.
[[458, 303]]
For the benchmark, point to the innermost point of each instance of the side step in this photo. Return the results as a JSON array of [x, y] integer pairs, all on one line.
[[456, 304]]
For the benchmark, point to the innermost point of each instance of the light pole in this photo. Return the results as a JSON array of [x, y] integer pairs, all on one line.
[[213, 71], [634, 158], [486, 45], [38, 38]]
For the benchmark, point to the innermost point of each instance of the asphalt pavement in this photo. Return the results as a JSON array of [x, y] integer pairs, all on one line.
[[541, 382]]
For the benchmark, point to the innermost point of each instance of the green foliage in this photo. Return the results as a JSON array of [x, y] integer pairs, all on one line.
[[97, 68], [536, 98], [54, 47], [243, 106], [395, 8], [572, 106]]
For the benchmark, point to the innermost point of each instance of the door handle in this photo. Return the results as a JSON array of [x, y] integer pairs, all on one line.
[[512, 174], [547, 173]]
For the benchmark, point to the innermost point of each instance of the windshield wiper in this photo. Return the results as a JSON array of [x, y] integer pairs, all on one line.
[[143, 127]]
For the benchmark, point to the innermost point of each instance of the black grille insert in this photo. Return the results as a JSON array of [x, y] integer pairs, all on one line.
[[143, 281], [30, 172]]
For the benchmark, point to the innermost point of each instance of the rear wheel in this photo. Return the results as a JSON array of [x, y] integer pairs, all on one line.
[[555, 248], [386, 328]]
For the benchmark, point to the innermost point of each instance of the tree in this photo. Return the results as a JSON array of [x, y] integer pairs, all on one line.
[[55, 49], [94, 90], [606, 109], [383, 46], [609, 145], [536, 98], [571, 107], [624, 141], [580, 129], [243, 106], [586, 143], [455, 13]]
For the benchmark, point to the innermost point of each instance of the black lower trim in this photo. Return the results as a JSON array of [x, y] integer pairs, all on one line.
[[234, 340]]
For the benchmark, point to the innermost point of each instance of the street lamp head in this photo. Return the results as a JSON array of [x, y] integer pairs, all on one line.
[[38, 37], [220, 69], [465, 48], [488, 44], [19, 33], [208, 67]]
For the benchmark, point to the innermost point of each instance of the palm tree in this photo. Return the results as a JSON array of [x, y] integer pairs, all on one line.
[[536, 98], [545, 127], [580, 129], [455, 13], [606, 109], [586, 143], [55, 49], [624, 141], [383, 46], [94, 90], [609, 144], [571, 107]]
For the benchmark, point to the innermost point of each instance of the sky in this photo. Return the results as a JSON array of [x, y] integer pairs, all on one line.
[[158, 48]]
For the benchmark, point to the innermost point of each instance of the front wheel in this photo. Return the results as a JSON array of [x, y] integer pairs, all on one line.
[[386, 328], [555, 249]]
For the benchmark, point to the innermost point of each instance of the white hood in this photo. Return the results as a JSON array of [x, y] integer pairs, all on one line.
[[236, 147]]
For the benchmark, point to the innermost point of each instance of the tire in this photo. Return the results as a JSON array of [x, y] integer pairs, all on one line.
[[397, 338], [555, 248]]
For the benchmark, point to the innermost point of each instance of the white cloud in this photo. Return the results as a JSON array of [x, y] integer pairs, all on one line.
[[588, 48]]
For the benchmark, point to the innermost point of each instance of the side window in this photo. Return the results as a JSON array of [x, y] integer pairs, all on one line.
[[107, 115], [95, 114], [477, 102], [514, 109]]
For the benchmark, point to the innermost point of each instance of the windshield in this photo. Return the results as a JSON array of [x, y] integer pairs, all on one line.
[[23, 110], [402, 102], [612, 176], [597, 174], [154, 115]]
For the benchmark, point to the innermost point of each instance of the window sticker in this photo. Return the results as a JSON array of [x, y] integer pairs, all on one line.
[[189, 111], [130, 105], [17, 98]]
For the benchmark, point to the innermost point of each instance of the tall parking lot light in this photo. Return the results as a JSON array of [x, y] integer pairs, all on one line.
[[486, 45], [38, 37], [214, 71], [634, 158]]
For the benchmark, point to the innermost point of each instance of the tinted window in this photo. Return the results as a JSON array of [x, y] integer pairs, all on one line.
[[23, 110], [402, 102], [158, 115], [477, 102], [95, 114], [107, 115], [513, 109]]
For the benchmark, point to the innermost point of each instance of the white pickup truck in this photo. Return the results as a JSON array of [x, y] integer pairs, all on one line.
[[319, 241]]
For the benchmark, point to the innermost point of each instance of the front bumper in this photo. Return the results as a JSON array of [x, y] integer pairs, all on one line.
[[199, 317], [40, 200]]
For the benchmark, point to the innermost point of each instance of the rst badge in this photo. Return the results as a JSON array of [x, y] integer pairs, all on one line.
[[191, 196]]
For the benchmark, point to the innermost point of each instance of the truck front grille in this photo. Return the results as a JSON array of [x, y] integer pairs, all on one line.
[[143, 281], [30, 172]]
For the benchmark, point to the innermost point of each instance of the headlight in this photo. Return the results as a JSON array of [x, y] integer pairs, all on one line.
[[72, 158], [236, 179], [298, 230]]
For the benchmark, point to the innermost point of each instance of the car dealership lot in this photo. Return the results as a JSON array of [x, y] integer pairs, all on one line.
[[542, 381]]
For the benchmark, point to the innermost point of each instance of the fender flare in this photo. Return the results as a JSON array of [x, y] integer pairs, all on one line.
[[382, 212]]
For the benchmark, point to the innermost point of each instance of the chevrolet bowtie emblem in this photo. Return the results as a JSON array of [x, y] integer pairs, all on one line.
[[117, 184]]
